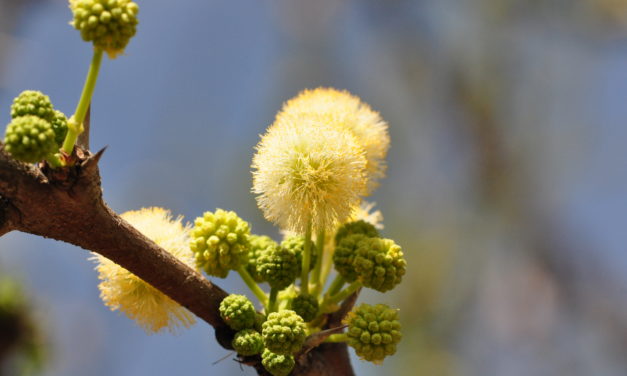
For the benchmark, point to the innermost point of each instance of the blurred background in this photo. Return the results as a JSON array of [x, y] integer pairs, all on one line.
[[506, 187]]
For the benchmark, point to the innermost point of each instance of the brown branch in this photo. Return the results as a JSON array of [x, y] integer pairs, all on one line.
[[67, 205]]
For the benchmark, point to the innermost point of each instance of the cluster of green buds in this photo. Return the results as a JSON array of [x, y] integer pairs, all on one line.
[[36, 130], [290, 309]]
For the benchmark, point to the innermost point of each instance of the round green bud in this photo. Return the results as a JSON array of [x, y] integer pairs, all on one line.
[[379, 263], [296, 243], [220, 242], [276, 364], [35, 103], [30, 139], [258, 244], [283, 332], [59, 126], [109, 24], [238, 312], [247, 342], [356, 227], [344, 256], [278, 266], [306, 306], [373, 331]]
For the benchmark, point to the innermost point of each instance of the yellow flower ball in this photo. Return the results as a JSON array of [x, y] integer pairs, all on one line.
[[343, 110], [123, 290], [305, 172]]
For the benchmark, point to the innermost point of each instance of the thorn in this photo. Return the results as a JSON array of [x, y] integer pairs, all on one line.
[[221, 359]]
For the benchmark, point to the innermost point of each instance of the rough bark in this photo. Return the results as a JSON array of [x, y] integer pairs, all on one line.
[[67, 205]]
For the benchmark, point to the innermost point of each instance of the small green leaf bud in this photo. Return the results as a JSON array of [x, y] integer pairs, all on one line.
[[278, 266], [258, 244], [373, 331], [306, 306], [30, 139], [356, 227], [283, 332], [248, 342], [31, 102], [109, 24], [238, 312], [296, 243], [276, 364], [220, 242], [59, 126]]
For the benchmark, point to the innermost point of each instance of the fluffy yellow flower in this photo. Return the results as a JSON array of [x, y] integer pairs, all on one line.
[[123, 290], [345, 111], [307, 171]]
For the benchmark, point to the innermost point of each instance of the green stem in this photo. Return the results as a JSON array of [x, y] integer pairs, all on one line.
[[253, 286], [326, 268], [336, 285], [317, 286], [334, 299], [272, 303], [75, 127], [304, 276], [338, 337], [54, 161]]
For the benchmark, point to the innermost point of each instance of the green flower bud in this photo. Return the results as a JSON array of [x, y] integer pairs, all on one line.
[[220, 242], [247, 342], [356, 227], [344, 256], [238, 312], [277, 365], [109, 24], [30, 139], [296, 243], [278, 266], [379, 263], [283, 332], [31, 102], [59, 126], [373, 331], [258, 244], [306, 306]]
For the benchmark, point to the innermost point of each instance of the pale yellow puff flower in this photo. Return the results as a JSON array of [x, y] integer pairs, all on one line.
[[123, 290], [306, 171], [364, 212], [344, 110]]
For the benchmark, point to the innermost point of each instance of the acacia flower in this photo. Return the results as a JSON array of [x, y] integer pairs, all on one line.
[[123, 290], [342, 110], [306, 172]]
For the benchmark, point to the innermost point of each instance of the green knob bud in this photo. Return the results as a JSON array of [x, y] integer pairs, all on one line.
[[278, 266], [276, 364], [306, 306], [356, 227], [109, 24], [258, 244], [379, 263], [220, 242], [248, 342], [30, 139], [59, 126], [296, 243], [373, 331], [283, 332], [344, 256], [238, 312], [35, 103]]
